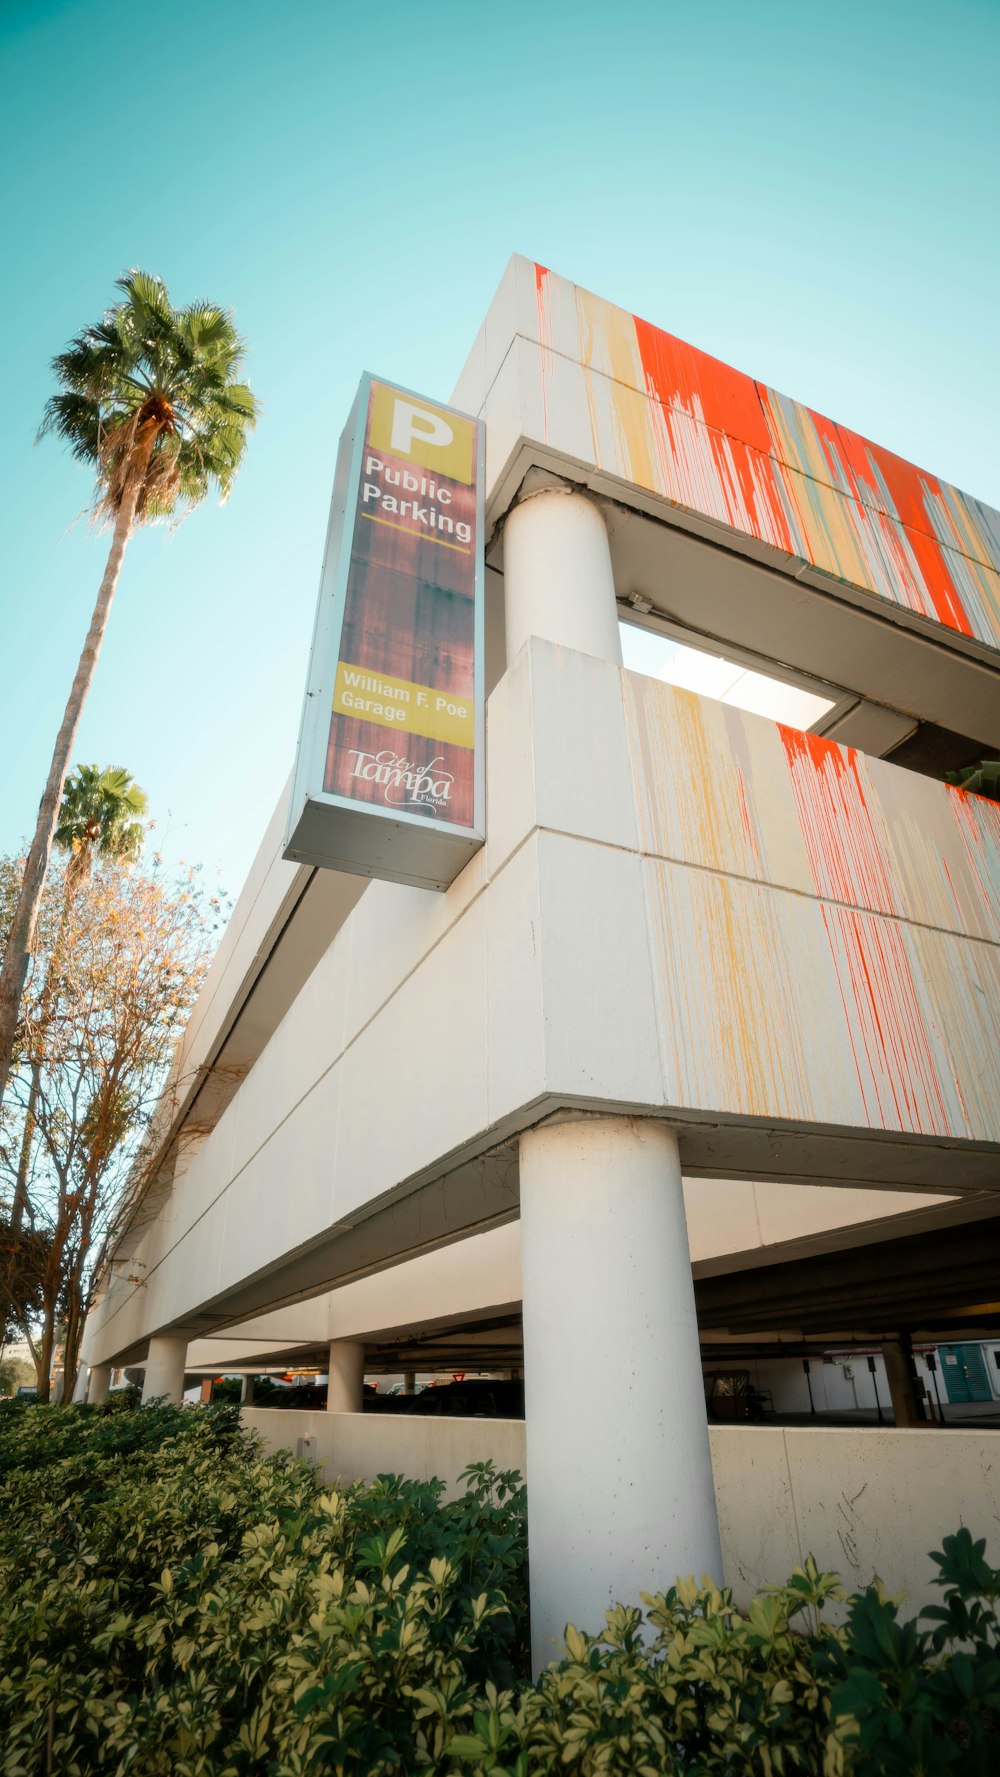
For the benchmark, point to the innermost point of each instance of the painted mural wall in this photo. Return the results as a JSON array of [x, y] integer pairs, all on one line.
[[710, 439], [824, 927]]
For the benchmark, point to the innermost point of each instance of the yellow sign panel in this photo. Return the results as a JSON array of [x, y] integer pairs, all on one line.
[[404, 707], [433, 437]]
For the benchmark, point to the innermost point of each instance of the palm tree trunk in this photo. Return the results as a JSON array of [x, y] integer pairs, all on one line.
[[22, 931], [24, 1158]]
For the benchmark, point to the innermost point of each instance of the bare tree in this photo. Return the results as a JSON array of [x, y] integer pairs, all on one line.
[[131, 952]]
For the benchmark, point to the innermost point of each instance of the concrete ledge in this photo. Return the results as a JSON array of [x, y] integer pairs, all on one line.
[[864, 1502], [359, 1446]]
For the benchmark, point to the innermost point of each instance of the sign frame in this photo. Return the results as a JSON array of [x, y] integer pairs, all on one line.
[[333, 831]]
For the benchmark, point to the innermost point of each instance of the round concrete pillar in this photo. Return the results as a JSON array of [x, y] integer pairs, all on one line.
[[620, 1494], [98, 1384], [164, 1372], [82, 1380], [246, 1391], [901, 1375], [558, 582], [409, 1382], [346, 1391]]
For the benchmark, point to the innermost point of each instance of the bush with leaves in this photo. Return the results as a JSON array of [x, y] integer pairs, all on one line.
[[696, 1686], [174, 1602]]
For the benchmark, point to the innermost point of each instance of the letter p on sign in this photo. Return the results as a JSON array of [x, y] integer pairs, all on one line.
[[435, 440], [417, 425]]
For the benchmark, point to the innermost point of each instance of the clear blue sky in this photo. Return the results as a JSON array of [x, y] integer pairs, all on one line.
[[811, 193]]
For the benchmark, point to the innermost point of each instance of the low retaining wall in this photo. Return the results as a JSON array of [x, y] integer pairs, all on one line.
[[359, 1446], [864, 1502]]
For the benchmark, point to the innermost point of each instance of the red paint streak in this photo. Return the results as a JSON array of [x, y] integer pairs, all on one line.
[[749, 833], [843, 1001], [740, 414], [680, 375], [906, 487], [542, 298], [944, 595], [897, 1049], [740, 483], [884, 1053], [842, 835], [974, 815]]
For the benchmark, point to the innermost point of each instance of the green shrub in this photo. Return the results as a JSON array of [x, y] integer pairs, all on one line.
[[175, 1602], [696, 1686]]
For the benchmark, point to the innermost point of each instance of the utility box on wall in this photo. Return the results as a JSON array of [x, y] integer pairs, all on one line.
[[389, 775]]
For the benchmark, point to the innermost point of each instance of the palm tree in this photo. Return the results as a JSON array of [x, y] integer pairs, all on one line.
[[151, 402], [100, 816]]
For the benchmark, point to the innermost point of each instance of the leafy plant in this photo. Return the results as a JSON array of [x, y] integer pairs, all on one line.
[[916, 1700], [175, 1603], [983, 779]]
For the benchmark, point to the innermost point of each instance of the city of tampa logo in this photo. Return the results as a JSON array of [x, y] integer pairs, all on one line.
[[404, 783]]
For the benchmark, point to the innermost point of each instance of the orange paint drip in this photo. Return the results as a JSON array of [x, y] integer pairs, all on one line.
[[681, 376], [844, 843], [899, 1080], [904, 491], [544, 336]]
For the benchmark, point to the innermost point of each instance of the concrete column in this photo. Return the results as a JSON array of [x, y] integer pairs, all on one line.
[[900, 1371], [620, 1493], [164, 1373], [409, 1381], [98, 1384], [558, 582], [82, 1379], [346, 1392], [246, 1391]]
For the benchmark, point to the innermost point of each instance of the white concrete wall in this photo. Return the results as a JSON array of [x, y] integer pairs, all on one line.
[[862, 1502], [780, 938], [726, 1219], [360, 1446]]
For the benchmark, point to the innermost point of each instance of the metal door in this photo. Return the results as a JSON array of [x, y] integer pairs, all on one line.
[[964, 1373]]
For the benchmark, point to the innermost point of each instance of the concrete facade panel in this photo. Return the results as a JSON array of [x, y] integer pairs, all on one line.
[[303, 1047], [821, 1014], [510, 785], [757, 1523], [393, 929], [887, 1498], [598, 387], [581, 789], [862, 1502], [415, 1079], [760, 800], [600, 1024], [743, 923], [515, 1005]]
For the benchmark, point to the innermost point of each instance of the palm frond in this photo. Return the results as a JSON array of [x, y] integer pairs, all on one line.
[[100, 814], [148, 368]]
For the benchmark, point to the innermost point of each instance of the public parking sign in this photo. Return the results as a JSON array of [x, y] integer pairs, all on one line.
[[389, 772]]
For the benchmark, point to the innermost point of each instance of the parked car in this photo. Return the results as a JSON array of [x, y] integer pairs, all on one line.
[[475, 1398]]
